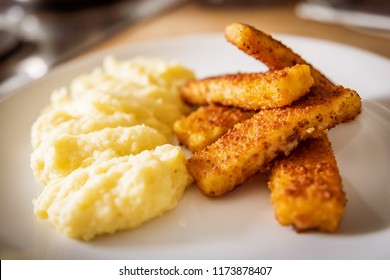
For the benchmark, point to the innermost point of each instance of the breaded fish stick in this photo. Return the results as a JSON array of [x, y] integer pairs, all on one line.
[[205, 125], [306, 188], [251, 91], [266, 49], [250, 145]]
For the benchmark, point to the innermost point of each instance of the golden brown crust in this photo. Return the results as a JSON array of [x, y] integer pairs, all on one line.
[[268, 50], [251, 91], [250, 145], [306, 185], [205, 125], [306, 188]]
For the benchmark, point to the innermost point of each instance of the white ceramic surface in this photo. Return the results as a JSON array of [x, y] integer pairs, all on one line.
[[241, 224]]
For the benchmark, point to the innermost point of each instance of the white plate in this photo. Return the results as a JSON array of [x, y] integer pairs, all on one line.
[[241, 224]]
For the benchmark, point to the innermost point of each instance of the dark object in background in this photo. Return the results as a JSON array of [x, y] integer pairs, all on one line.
[[44, 33]]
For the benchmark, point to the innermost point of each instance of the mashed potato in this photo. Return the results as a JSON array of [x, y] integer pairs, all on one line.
[[138, 91], [49, 161], [101, 147], [115, 194]]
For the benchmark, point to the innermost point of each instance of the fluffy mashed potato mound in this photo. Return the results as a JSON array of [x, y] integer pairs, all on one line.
[[120, 93], [84, 149], [56, 121], [101, 148], [115, 194]]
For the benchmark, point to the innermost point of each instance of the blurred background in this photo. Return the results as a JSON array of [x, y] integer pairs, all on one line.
[[37, 35]]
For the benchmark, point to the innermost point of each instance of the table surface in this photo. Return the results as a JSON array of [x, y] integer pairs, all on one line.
[[195, 17]]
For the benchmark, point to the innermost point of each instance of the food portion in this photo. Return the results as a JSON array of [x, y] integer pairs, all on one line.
[[205, 125], [268, 50], [251, 91], [115, 194], [62, 153], [304, 212], [57, 121], [120, 93], [253, 144], [102, 148], [306, 188]]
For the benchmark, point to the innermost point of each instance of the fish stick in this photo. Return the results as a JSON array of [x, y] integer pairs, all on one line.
[[251, 91], [205, 125], [268, 50], [306, 187], [252, 144]]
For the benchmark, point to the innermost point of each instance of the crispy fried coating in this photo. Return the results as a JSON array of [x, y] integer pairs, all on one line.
[[306, 187], [251, 91], [250, 145], [268, 50], [205, 125]]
